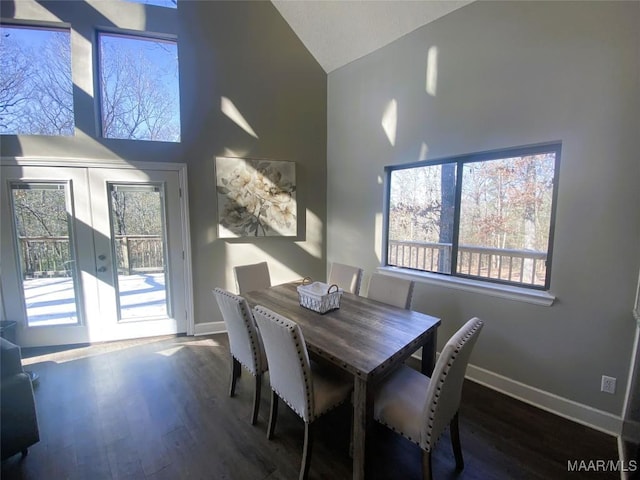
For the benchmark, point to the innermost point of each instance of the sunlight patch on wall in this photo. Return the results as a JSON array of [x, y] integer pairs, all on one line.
[[424, 150], [313, 243], [231, 111], [377, 242], [227, 152], [134, 19], [34, 10], [432, 71], [82, 66], [211, 234], [390, 121]]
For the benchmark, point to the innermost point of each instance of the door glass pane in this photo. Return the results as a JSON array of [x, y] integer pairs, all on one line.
[[139, 245], [44, 240]]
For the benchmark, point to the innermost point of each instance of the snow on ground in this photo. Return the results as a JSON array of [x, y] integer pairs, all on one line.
[[51, 301]]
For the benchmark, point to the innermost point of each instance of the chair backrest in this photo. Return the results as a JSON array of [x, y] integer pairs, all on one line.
[[244, 339], [445, 387], [346, 277], [391, 290], [252, 277], [289, 367]]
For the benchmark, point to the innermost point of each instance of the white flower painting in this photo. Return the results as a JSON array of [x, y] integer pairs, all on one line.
[[256, 197]]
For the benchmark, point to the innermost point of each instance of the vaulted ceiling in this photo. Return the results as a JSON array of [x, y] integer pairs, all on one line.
[[341, 31]]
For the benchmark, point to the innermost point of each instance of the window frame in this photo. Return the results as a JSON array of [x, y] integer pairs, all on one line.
[[135, 35], [460, 160]]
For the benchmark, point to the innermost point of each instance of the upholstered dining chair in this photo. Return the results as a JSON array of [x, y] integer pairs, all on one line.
[[346, 277], [310, 389], [252, 277], [245, 344], [418, 407], [392, 290]]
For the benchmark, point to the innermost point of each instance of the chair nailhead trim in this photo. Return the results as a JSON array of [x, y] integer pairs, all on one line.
[[249, 324], [430, 440], [290, 326]]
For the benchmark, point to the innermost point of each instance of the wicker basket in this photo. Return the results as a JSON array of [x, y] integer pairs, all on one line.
[[319, 297]]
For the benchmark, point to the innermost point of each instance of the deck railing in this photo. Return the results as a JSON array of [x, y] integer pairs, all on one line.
[[519, 266], [50, 256], [139, 254], [45, 256]]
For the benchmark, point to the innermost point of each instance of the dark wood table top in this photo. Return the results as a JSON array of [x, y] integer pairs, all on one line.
[[363, 336]]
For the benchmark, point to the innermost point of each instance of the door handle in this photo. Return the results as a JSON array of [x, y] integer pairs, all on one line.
[[102, 269], [102, 257]]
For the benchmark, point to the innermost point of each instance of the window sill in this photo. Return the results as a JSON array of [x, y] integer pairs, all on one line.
[[509, 292]]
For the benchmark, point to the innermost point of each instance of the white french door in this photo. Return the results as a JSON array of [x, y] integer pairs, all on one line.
[[94, 253]]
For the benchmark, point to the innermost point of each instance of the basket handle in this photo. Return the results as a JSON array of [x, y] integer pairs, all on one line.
[[331, 286], [306, 280]]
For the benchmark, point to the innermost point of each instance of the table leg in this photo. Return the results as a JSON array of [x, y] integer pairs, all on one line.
[[429, 353], [360, 420]]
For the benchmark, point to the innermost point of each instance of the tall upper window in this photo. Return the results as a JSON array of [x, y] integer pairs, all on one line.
[[139, 88], [486, 216], [36, 91]]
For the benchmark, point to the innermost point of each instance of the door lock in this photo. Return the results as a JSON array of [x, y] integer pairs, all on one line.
[[102, 257], [102, 269]]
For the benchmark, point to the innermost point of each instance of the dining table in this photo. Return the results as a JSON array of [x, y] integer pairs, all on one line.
[[367, 338]]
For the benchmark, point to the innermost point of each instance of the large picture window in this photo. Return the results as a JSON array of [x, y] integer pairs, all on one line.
[[486, 216], [36, 91], [139, 88]]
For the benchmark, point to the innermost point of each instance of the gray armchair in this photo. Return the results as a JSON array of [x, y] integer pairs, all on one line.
[[18, 419]]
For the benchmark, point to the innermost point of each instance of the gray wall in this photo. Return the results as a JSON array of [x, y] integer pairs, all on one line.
[[509, 74], [244, 51]]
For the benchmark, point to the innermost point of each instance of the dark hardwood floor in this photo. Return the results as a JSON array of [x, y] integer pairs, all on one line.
[[159, 409]]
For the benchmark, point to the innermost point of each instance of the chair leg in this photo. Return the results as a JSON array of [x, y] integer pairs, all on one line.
[[455, 442], [306, 451], [256, 399], [235, 373], [351, 429], [273, 415], [426, 465]]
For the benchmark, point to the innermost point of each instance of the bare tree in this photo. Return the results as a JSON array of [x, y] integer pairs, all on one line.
[[15, 88], [36, 93], [139, 100], [135, 101], [53, 92]]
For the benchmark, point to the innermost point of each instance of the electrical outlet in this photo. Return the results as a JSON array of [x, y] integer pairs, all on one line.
[[608, 384]]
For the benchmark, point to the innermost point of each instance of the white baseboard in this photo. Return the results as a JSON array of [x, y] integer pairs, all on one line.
[[577, 412], [209, 328]]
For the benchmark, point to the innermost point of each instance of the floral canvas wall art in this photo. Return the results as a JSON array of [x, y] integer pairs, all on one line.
[[256, 197]]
